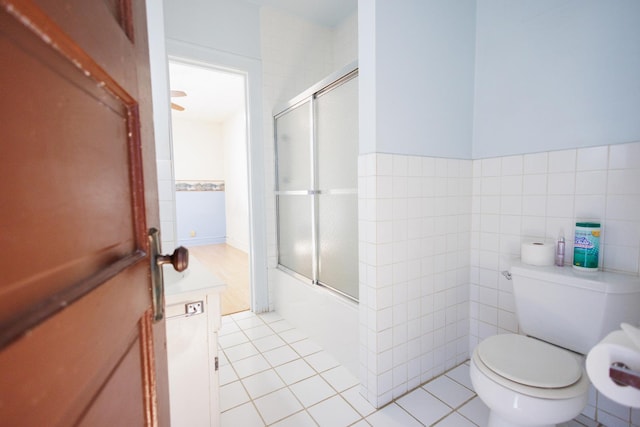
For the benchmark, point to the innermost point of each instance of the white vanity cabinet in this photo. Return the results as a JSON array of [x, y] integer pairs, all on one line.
[[192, 300]]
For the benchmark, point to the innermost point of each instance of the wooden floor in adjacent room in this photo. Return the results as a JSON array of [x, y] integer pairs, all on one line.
[[232, 266]]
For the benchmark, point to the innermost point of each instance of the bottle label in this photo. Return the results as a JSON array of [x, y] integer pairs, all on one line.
[[586, 247]]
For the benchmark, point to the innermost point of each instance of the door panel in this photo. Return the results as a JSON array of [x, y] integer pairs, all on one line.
[[111, 405], [63, 362], [337, 150], [77, 343], [62, 173], [294, 180]]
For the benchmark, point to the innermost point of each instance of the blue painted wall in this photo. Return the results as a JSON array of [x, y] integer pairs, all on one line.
[[416, 61], [225, 25], [553, 75], [482, 78], [202, 212]]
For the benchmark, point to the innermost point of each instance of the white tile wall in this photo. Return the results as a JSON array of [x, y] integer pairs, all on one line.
[[415, 222], [539, 196], [436, 233]]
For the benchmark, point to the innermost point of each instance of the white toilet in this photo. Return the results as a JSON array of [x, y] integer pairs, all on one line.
[[539, 379]]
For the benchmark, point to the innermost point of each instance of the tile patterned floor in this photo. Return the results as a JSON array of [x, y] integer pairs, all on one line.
[[273, 375]]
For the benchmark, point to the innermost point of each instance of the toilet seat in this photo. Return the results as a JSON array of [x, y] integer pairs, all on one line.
[[529, 361], [531, 367]]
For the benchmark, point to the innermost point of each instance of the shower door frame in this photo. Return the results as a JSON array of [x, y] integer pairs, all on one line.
[[310, 95]]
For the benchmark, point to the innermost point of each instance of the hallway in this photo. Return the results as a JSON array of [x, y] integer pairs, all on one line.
[[231, 265]]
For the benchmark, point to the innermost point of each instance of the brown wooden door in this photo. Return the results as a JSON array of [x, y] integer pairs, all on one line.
[[78, 345]]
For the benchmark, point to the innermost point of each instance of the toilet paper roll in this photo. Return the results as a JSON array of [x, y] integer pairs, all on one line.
[[632, 332], [615, 347], [538, 253]]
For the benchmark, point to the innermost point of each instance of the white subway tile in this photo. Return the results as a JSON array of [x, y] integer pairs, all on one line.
[[533, 226], [381, 209], [587, 206], [428, 166], [488, 278], [490, 205], [488, 296], [511, 205], [591, 182], [535, 163], [384, 187], [534, 184], [534, 205], [506, 301], [622, 233], [165, 190], [466, 168], [624, 156], [491, 167], [166, 210], [476, 168], [399, 187], [510, 224], [624, 181], [512, 165], [561, 226], [511, 185], [488, 315], [490, 186], [164, 169], [441, 186], [490, 223], [593, 158], [560, 206], [621, 258], [488, 260], [508, 321], [453, 168], [384, 165], [400, 165], [562, 161], [509, 245], [414, 166], [561, 183], [624, 208], [489, 242], [441, 168]]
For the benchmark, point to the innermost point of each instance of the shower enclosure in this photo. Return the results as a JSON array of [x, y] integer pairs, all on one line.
[[316, 185]]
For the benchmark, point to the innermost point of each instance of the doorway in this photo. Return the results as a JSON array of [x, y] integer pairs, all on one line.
[[209, 139]]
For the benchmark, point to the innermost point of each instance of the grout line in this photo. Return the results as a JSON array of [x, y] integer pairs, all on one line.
[[335, 391]]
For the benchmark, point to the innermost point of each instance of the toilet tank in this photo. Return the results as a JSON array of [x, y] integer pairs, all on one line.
[[571, 308]]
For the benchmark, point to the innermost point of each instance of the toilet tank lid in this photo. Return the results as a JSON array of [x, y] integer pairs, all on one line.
[[598, 281]]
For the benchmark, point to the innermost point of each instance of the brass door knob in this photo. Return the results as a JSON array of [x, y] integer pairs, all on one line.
[[179, 259]]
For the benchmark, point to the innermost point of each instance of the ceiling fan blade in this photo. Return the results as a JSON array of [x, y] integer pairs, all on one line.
[[177, 93], [177, 107]]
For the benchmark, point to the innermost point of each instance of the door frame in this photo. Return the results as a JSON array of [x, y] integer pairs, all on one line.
[[251, 68]]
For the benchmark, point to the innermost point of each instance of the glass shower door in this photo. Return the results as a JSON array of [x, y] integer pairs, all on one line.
[[317, 179], [293, 198], [337, 183]]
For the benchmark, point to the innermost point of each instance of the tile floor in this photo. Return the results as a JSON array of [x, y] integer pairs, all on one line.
[[273, 375]]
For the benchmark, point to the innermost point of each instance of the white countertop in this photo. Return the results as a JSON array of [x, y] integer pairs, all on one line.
[[195, 279]]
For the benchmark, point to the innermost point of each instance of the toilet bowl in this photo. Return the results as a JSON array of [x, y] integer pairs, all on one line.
[[539, 379], [527, 382]]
